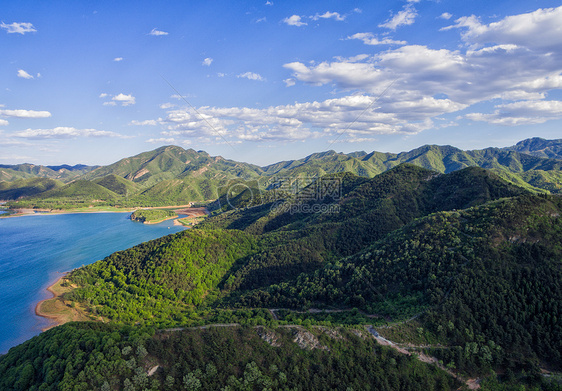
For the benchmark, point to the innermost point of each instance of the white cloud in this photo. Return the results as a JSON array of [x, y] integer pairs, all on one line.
[[289, 82], [294, 20], [269, 2], [3, 122], [103, 95], [125, 100], [540, 29], [23, 74], [328, 15], [251, 76], [208, 61], [25, 113], [168, 140], [157, 32], [117, 59], [521, 113], [62, 132], [167, 105], [370, 39], [402, 18], [446, 16], [110, 103], [357, 115], [513, 59], [263, 19], [20, 28], [148, 122], [220, 74]]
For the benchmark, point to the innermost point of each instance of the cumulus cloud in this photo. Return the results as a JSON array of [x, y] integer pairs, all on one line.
[[446, 16], [370, 39], [289, 82], [521, 113], [511, 59], [207, 62], [3, 122], [117, 59], [25, 113], [402, 18], [251, 76], [23, 74], [540, 29], [148, 122], [294, 20], [357, 115], [157, 32], [20, 28], [63, 132], [125, 100], [329, 15]]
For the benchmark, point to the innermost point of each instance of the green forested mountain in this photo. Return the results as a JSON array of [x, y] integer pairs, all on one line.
[[105, 357], [63, 173], [463, 266], [27, 187], [172, 175], [539, 147]]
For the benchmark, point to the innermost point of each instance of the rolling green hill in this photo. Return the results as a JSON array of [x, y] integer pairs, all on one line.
[[118, 185], [172, 175], [539, 147], [80, 193], [105, 357], [63, 173], [463, 266], [27, 187]]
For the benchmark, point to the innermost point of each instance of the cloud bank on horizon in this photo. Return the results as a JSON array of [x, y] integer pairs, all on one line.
[[295, 78]]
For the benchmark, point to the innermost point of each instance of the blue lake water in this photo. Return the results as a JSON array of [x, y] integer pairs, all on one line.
[[36, 249]]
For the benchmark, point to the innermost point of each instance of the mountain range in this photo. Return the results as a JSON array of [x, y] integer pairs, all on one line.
[[172, 175], [460, 269]]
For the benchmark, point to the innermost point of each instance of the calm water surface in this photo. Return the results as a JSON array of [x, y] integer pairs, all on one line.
[[35, 249]]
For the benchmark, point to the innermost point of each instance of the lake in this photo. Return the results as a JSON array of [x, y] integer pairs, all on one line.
[[36, 249]]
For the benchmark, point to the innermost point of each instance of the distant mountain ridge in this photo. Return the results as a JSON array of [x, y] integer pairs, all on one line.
[[539, 147], [173, 175]]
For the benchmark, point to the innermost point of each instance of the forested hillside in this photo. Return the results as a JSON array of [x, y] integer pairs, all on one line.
[[106, 357], [463, 266], [171, 175]]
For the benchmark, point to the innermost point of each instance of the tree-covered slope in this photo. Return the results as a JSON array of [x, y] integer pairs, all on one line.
[[80, 193], [172, 175], [118, 185], [64, 173], [159, 281], [27, 187], [105, 357], [539, 147], [487, 273], [173, 162]]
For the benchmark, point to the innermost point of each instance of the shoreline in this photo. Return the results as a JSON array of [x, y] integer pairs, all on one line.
[[59, 312], [54, 319], [46, 212]]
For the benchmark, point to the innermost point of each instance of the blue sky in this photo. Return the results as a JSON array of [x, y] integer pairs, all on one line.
[[264, 81]]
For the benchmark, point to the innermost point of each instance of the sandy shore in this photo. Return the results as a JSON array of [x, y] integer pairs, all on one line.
[[44, 314], [55, 309]]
